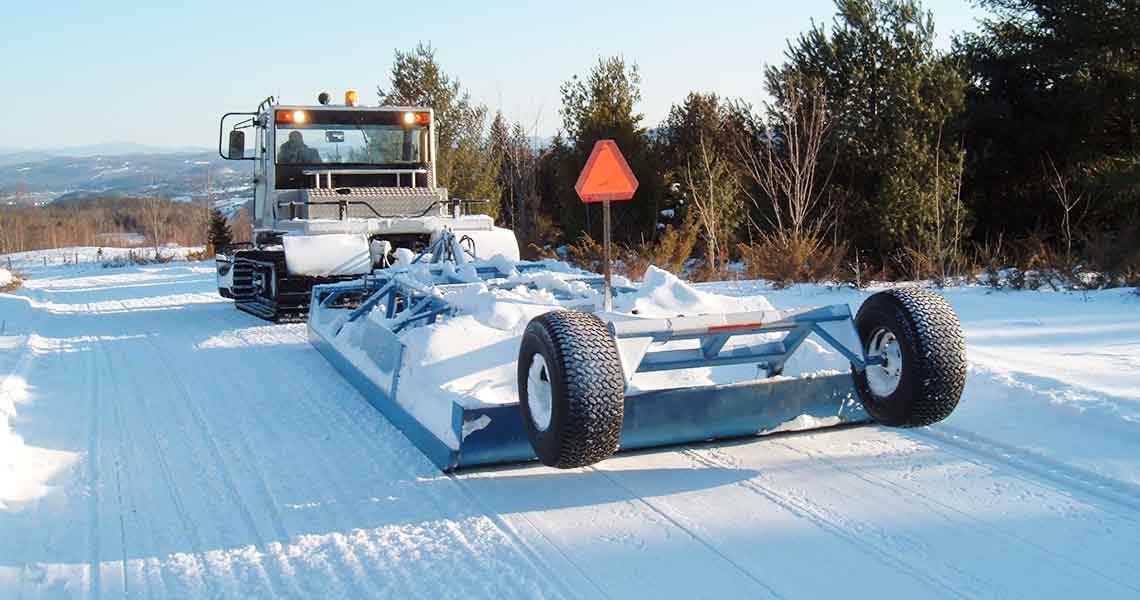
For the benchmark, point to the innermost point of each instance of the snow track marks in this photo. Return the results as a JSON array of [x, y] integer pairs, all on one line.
[[220, 457]]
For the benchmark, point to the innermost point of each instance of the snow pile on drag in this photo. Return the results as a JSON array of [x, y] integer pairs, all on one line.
[[662, 294], [471, 359]]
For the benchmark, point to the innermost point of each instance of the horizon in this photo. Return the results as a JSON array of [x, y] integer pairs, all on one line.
[[193, 79]]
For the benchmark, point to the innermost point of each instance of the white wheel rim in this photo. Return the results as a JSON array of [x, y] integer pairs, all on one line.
[[539, 397], [884, 379]]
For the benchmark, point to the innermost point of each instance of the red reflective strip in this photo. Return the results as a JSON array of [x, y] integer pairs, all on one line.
[[720, 328]]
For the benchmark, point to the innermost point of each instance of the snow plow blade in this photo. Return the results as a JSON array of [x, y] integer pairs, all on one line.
[[682, 416], [495, 434]]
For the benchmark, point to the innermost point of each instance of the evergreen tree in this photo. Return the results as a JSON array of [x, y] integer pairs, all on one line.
[[695, 147], [500, 139], [465, 163], [219, 235], [1055, 92], [699, 118], [893, 98], [555, 168]]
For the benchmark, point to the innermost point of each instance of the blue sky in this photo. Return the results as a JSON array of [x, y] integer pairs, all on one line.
[[161, 73]]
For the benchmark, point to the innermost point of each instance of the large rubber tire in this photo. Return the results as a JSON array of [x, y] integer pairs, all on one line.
[[933, 353], [579, 368]]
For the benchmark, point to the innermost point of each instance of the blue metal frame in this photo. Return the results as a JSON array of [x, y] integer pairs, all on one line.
[[652, 419], [714, 334], [446, 248], [495, 434]]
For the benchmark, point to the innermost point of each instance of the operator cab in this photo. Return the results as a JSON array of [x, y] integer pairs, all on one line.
[[353, 148], [337, 162]]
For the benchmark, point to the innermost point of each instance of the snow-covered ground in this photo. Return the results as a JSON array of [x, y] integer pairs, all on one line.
[[87, 256], [156, 442]]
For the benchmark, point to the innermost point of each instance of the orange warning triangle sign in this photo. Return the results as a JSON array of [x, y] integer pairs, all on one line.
[[606, 175]]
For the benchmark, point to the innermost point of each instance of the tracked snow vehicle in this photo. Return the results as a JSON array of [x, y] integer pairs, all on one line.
[[339, 190]]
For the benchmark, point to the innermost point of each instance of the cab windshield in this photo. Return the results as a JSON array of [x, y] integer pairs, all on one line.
[[311, 144]]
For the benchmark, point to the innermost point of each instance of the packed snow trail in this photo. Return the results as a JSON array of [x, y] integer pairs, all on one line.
[[158, 443], [275, 483]]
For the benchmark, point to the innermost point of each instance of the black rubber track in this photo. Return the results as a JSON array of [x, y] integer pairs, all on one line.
[[934, 356], [587, 386], [291, 302]]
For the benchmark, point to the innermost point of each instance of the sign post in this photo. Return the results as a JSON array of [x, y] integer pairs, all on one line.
[[607, 270], [606, 178]]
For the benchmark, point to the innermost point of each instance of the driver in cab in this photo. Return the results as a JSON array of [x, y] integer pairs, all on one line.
[[295, 151]]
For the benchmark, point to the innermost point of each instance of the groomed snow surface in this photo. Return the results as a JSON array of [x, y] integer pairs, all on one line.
[[154, 442]]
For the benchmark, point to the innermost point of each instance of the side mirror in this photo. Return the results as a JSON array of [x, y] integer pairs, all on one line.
[[237, 144]]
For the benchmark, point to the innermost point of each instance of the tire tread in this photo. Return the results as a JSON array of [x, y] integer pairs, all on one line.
[[934, 331], [595, 387]]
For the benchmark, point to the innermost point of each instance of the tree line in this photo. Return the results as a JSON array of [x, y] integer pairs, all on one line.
[[103, 222], [876, 156]]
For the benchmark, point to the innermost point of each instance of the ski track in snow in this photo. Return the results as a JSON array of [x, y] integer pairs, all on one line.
[[216, 456]]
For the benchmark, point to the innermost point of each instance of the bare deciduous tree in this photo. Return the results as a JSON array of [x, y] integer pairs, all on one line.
[[153, 212], [712, 187], [784, 161], [520, 180], [949, 221], [1059, 184]]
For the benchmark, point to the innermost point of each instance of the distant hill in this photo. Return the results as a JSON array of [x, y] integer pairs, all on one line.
[[76, 178], [11, 157], [22, 155], [85, 196]]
